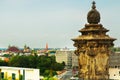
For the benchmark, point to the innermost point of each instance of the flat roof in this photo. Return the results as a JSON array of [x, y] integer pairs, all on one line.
[[17, 68]]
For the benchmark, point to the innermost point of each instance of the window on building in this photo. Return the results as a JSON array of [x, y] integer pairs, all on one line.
[[115, 66], [2, 75], [13, 76]]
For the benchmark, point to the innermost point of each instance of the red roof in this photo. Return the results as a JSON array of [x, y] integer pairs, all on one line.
[[13, 49]]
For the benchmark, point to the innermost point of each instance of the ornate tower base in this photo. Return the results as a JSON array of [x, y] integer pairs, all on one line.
[[93, 48]]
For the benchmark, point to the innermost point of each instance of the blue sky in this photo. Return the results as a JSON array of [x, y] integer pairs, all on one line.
[[37, 22]]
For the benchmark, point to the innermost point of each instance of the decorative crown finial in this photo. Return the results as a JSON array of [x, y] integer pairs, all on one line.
[[93, 16], [93, 6]]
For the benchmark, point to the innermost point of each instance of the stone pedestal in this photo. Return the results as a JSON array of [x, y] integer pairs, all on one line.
[[93, 48]]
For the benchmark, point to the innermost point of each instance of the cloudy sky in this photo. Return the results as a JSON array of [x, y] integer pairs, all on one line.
[[37, 22]]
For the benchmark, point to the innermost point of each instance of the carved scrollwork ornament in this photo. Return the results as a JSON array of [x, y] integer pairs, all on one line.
[[76, 52], [93, 48]]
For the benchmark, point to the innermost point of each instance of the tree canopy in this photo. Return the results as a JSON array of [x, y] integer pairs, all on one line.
[[33, 61]]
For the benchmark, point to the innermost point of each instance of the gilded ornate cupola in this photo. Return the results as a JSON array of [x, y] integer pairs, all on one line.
[[93, 48], [93, 16]]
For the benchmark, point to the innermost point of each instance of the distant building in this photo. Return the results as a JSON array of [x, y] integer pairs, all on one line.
[[16, 73], [114, 60], [114, 66], [43, 51], [64, 56], [74, 60], [68, 56], [6, 59], [114, 73], [13, 49], [51, 52], [26, 49]]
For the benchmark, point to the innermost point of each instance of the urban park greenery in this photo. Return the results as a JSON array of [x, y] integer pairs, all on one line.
[[47, 64]]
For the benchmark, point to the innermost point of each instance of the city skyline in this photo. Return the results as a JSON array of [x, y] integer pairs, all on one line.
[[56, 22]]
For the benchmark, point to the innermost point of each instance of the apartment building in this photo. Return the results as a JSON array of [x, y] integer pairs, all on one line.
[[68, 57]]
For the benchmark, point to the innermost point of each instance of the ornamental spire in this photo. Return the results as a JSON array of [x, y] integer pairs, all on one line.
[[93, 16], [93, 6]]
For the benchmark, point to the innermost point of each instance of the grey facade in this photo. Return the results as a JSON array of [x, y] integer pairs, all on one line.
[[114, 60], [68, 57]]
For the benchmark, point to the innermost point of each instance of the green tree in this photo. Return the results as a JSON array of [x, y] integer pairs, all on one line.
[[57, 66], [49, 73], [44, 63], [41, 62], [33, 61], [19, 61], [49, 63], [3, 63]]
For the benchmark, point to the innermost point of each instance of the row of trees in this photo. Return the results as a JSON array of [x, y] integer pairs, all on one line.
[[46, 64], [115, 49]]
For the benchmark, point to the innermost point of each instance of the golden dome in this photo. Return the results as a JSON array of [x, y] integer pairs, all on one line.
[[93, 16]]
